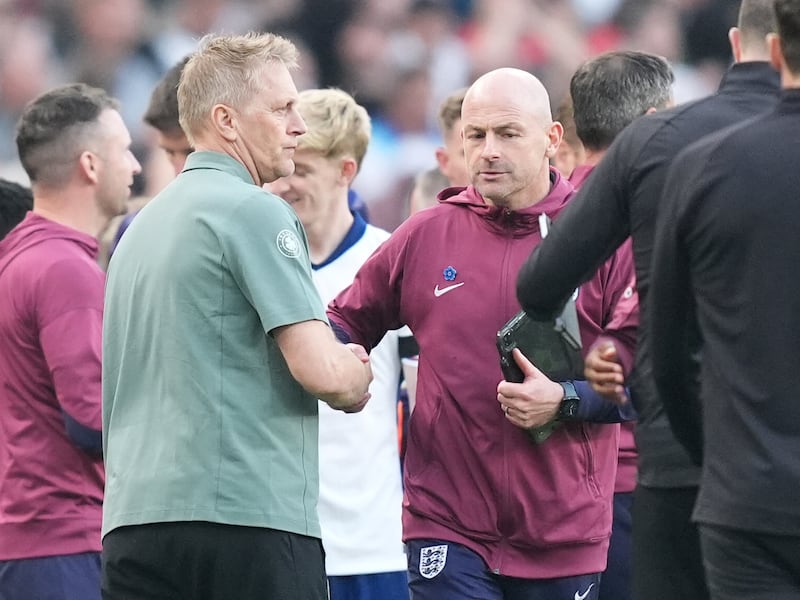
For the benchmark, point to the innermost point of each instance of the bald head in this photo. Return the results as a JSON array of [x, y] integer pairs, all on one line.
[[509, 137], [515, 88]]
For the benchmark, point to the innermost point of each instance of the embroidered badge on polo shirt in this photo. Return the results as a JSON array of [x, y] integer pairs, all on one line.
[[288, 244]]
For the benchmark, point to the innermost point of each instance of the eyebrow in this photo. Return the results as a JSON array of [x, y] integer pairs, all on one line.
[[500, 127]]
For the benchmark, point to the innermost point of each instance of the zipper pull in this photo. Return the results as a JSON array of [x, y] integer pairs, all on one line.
[[544, 225]]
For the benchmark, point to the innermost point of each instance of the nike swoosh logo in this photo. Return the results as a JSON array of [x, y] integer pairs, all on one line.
[[584, 594], [440, 292]]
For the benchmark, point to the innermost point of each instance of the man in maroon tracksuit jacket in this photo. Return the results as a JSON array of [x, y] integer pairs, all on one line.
[[489, 513]]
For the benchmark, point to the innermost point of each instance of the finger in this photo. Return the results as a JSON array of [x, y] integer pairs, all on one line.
[[603, 370], [504, 401], [596, 361], [360, 405], [609, 352], [527, 367], [593, 375], [359, 351], [606, 387]]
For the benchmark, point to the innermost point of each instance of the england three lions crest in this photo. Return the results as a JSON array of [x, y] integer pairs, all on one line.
[[432, 560]]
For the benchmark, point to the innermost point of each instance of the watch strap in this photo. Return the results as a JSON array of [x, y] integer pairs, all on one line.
[[568, 409]]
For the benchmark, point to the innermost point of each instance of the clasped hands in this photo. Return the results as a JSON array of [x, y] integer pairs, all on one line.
[[360, 353]]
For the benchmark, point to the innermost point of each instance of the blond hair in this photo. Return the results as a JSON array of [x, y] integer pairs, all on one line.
[[225, 70], [337, 124]]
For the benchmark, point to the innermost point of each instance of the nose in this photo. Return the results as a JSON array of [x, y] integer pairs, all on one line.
[[490, 150], [136, 168], [297, 126]]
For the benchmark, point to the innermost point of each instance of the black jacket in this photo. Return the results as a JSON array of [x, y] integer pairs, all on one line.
[[726, 258], [620, 199]]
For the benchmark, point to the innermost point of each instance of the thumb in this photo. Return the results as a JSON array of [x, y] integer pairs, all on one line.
[[527, 367], [608, 351], [359, 351]]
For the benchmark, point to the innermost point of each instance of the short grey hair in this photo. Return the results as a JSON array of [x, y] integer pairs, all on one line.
[[225, 70]]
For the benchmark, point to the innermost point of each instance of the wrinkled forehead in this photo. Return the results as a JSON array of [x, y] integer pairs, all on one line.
[[493, 111]]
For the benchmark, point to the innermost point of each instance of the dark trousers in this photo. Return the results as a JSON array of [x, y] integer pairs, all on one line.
[[440, 570], [210, 561], [667, 562], [615, 583], [373, 586], [68, 577], [744, 565]]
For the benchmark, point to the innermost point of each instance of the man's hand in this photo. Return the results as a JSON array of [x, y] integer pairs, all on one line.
[[604, 372], [362, 355], [532, 403]]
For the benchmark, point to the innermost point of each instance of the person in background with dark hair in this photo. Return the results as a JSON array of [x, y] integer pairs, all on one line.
[[724, 284], [15, 202], [162, 116], [570, 151], [620, 200], [607, 93], [76, 151]]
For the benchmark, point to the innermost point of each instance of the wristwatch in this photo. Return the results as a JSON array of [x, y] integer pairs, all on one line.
[[568, 409]]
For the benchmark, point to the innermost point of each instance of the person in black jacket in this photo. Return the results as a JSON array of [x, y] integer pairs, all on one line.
[[15, 202], [620, 199], [607, 93], [724, 274]]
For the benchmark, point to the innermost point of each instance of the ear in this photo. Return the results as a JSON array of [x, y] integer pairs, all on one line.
[[349, 170], [555, 133], [442, 159], [88, 165], [775, 54], [224, 121], [735, 38]]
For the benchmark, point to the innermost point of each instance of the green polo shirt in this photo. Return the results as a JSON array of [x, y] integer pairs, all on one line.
[[202, 420]]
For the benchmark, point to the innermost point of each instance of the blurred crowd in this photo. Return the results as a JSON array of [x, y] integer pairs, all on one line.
[[331, 248], [399, 58]]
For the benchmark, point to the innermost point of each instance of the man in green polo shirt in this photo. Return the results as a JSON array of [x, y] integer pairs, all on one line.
[[215, 348]]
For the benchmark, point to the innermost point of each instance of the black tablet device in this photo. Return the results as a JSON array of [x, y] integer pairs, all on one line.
[[553, 346]]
